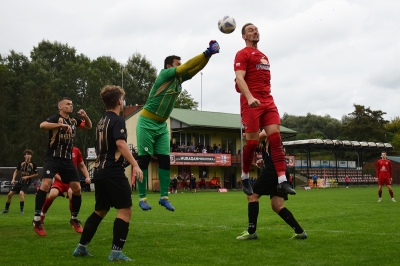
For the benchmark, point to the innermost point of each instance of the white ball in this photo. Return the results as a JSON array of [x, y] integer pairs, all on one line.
[[227, 24]]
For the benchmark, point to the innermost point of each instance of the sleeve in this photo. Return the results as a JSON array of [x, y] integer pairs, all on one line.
[[19, 166], [240, 61], [80, 123], [35, 170], [52, 119], [79, 158], [119, 129]]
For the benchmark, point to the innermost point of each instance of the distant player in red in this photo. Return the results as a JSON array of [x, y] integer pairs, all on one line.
[[258, 109], [384, 175], [59, 188]]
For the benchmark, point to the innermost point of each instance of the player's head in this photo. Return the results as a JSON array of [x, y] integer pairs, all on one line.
[[383, 155], [250, 33], [27, 154], [112, 97], [172, 61], [65, 105]]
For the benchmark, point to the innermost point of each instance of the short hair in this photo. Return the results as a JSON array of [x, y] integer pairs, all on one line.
[[244, 27], [110, 95], [169, 60], [27, 152], [64, 98]]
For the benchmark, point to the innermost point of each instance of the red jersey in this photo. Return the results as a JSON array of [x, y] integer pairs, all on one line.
[[384, 168], [256, 65], [76, 156]]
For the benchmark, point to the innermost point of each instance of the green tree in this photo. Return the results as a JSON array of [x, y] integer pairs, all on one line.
[[185, 101], [364, 124]]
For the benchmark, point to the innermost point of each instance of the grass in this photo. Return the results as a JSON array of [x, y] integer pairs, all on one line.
[[344, 227]]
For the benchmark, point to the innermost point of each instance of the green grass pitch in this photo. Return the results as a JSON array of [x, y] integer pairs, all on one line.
[[344, 227]]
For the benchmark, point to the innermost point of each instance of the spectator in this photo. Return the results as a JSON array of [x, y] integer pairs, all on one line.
[[193, 184], [215, 148], [204, 150], [219, 148], [213, 183], [202, 183], [174, 185], [191, 147], [347, 180], [315, 181]]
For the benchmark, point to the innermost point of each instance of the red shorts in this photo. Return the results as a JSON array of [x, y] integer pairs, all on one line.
[[384, 181], [62, 187], [264, 115]]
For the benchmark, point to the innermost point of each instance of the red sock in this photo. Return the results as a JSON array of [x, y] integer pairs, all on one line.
[[380, 193], [277, 156], [248, 154], [46, 205], [391, 193]]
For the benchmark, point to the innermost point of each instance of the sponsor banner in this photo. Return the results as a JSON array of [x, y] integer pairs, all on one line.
[[91, 154], [209, 159], [290, 161]]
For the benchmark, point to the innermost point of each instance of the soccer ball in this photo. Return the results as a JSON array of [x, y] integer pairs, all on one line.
[[227, 24]]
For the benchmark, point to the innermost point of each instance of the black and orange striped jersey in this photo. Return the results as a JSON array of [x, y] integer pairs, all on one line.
[[61, 142], [110, 128], [26, 169]]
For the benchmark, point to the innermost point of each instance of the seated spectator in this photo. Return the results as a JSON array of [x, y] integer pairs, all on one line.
[[204, 150], [219, 149], [191, 147], [210, 149], [174, 146], [213, 183], [215, 148], [202, 183]]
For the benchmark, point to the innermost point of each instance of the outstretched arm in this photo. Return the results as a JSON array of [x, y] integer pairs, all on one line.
[[197, 63]]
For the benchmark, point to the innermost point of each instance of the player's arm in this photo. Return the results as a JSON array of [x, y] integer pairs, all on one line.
[[14, 176], [88, 123], [197, 63], [50, 126], [84, 171], [124, 149], [244, 89], [30, 176]]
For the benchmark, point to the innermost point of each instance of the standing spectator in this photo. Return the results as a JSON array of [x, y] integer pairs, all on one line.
[[384, 174], [191, 147], [193, 183], [219, 148], [112, 188], [347, 180], [26, 170], [174, 184], [315, 181], [258, 109]]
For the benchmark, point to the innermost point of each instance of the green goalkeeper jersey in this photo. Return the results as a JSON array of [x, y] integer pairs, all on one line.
[[165, 91]]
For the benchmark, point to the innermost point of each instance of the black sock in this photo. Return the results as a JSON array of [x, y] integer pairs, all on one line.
[[40, 199], [21, 205], [121, 229], [288, 217], [76, 204], [7, 205], [90, 228], [252, 209]]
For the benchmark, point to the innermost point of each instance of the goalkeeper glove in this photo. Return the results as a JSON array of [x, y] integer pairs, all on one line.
[[212, 49]]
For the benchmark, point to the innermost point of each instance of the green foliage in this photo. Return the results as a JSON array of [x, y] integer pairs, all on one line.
[[185, 101], [364, 124], [344, 227]]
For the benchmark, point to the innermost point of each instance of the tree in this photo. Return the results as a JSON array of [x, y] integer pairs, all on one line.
[[139, 77], [185, 101], [364, 124]]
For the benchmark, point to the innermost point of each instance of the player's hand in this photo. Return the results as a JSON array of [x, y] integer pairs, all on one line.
[[253, 102], [82, 113], [139, 173], [260, 163], [12, 182], [88, 181], [67, 128], [213, 48]]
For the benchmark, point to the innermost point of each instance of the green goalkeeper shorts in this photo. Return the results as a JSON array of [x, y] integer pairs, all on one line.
[[152, 137]]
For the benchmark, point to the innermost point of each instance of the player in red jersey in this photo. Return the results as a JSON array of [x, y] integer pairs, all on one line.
[[59, 188], [258, 109], [384, 175]]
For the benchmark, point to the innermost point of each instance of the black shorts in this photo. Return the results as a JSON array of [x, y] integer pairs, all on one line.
[[174, 186], [20, 187], [267, 182], [315, 182], [64, 167], [193, 186], [111, 190]]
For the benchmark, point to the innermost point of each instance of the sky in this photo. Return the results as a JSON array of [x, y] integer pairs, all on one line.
[[325, 56]]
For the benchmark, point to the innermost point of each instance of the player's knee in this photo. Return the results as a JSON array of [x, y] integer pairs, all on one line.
[[251, 144], [164, 161], [144, 161], [253, 197]]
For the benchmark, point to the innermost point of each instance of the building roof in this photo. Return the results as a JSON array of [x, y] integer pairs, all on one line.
[[212, 120], [393, 158], [327, 144]]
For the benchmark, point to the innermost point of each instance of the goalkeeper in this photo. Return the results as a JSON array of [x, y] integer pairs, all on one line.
[[152, 133]]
